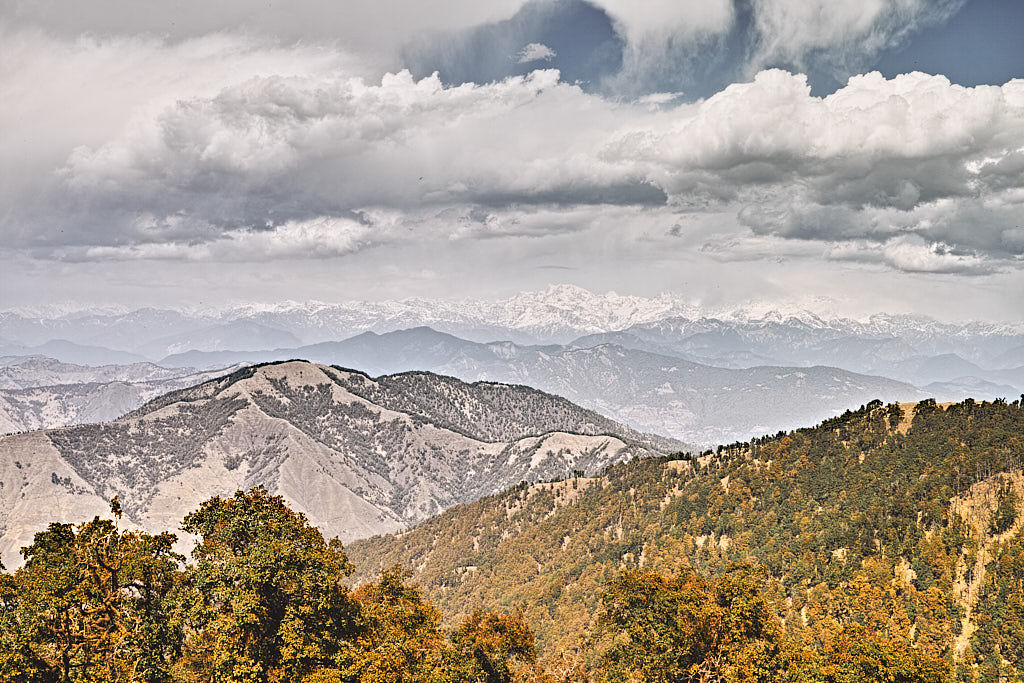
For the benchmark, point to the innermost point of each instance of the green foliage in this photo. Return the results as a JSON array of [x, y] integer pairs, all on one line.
[[91, 603], [858, 655], [401, 635], [684, 628], [999, 640], [266, 600], [676, 629], [267, 595], [848, 552], [863, 520], [497, 646], [1005, 513]]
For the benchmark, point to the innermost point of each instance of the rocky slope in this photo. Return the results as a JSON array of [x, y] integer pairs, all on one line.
[[357, 456]]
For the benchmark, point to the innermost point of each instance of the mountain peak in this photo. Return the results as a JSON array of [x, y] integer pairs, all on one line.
[[357, 455]]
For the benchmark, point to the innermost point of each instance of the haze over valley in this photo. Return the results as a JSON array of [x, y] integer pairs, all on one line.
[[656, 364]]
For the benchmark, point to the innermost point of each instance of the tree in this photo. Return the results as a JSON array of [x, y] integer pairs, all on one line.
[[267, 599], [498, 646], [857, 654], [400, 639], [687, 628], [1005, 514], [91, 603]]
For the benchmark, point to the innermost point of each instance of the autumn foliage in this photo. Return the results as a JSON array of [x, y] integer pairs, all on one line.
[[266, 599]]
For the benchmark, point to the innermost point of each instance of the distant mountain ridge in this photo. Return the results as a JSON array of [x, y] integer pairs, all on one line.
[[558, 314], [25, 372], [708, 403], [651, 392], [42, 393], [358, 456], [539, 332], [902, 348]]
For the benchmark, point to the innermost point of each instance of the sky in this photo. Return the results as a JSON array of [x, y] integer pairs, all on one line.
[[854, 157]]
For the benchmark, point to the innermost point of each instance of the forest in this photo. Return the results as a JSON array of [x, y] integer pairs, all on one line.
[[879, 546], [265, 598], [901, 519]]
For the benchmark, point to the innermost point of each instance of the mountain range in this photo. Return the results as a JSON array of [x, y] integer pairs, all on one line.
[[559, 314], [690, 401], [358, 456], [649, 391], [40, 393], [659, 364]]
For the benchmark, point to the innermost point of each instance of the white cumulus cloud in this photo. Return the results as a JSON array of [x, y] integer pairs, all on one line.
[[535, 52], [845, 35], [226, 161]]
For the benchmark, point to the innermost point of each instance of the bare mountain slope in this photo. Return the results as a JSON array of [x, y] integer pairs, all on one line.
[[650, 392], [357, 456]]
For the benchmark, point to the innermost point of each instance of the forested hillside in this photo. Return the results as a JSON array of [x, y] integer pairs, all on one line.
[[265, 600], [902, 519]]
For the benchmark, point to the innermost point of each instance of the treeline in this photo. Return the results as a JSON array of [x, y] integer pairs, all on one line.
[[265, 599]]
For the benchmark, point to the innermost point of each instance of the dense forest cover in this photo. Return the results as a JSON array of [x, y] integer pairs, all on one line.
[[882, 545], [266, 599], [898, 522]]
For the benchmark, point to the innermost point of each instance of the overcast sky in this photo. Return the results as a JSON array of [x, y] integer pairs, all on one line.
[[858, 157]]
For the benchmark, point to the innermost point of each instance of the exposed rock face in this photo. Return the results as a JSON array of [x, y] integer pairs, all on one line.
[[357, 456]]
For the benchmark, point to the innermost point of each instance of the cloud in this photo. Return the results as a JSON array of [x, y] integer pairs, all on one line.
[[277, 149], [223, 160], [535, 52], [313, 239], [699, 47], [623, 47], [583, 42], [843, 37], [375, 30], [912, 254], [60, 95], [677, 18], [875, 159], [759, 248]]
